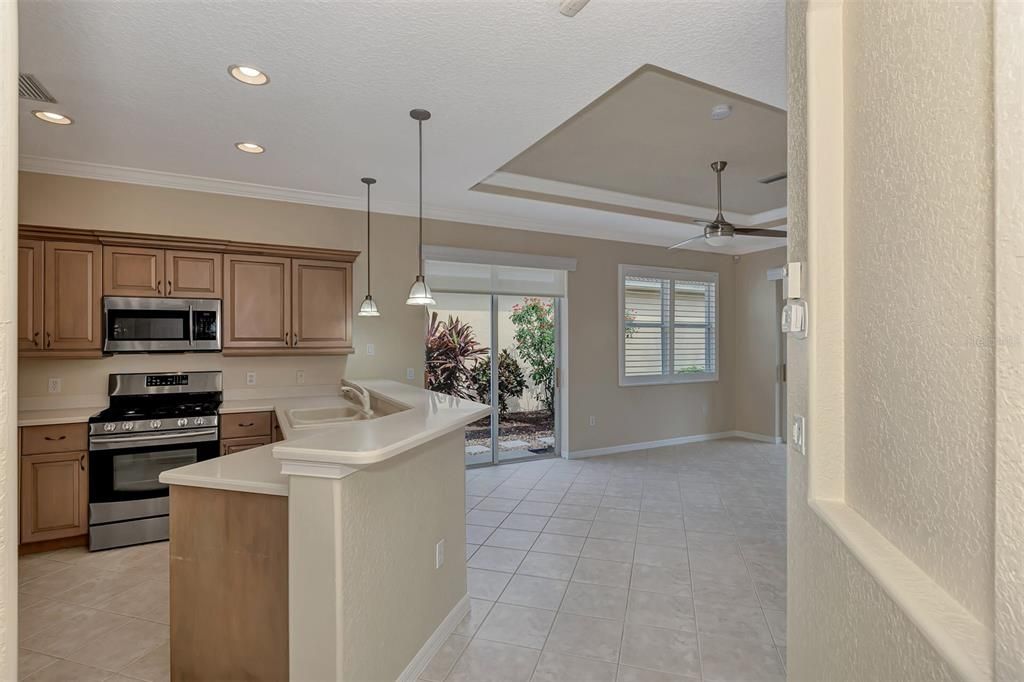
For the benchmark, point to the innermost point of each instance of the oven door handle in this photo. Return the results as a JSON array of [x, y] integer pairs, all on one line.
[[155, 436]]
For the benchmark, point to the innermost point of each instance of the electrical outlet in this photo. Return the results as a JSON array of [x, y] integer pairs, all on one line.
[[593, 420], [370, 349], [410, 373], [439, 554], [54, 385], [250, 378], [300, 377]]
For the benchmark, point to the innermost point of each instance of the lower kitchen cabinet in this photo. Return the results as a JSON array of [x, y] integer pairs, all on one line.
[[230, 446], [54, 496], [245, 430]]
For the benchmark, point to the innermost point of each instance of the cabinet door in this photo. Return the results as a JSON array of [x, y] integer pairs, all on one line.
[[131, 271], [194, 274], [257, 302], [321, 304], [72, 296], [54, 496], [230, 446], [30, 294]]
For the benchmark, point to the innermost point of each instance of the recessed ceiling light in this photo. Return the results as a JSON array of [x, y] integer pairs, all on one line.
[[52, 117], [720, 111], [249, 147], [248, 74]]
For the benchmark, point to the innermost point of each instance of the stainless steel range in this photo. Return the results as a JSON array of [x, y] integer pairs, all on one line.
[[155, 422]]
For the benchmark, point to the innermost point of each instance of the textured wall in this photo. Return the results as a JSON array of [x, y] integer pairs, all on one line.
[[841, 625], [756, 348], [8, 344], [919, 314]]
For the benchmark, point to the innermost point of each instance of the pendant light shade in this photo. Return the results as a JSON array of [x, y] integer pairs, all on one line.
[[369, 306], [420, 294]]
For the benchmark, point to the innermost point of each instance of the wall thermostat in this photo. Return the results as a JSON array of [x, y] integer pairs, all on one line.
[[794, 318]]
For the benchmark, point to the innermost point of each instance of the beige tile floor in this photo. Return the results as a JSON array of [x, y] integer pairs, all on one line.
[[654, 566], [94, 616]]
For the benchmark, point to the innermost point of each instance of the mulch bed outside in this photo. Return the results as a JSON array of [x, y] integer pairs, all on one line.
[[528, 426]]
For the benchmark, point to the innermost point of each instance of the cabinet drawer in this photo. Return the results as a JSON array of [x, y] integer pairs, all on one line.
[[40, 440], [245, 424], [230, 446]]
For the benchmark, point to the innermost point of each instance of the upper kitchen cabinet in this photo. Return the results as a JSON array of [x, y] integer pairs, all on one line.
[[30, 294], [321, 304], [193, 274], [131, 271], [140, 271], [287, 306], [257, 302], [72, 296]]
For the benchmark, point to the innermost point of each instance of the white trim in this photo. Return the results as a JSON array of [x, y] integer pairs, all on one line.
[[434, 643], [314, 469], [764, 438], [454, 254], [650, 444], [960, 638], [776, 273], [665, 273], [529, 183]]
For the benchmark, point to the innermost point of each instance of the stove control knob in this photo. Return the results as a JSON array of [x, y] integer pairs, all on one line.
[[182, 422], [128, 426], [110, 427], [155, 424], [198, 421]]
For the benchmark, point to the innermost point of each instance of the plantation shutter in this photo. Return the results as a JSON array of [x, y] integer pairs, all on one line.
[[668, 325]]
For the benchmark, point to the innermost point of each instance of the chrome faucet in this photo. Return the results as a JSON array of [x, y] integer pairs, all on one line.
[[361, 393]]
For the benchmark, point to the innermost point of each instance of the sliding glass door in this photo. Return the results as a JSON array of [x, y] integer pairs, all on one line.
[[474, 337]]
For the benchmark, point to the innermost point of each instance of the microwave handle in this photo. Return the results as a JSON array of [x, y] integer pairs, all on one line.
[[191, 327]]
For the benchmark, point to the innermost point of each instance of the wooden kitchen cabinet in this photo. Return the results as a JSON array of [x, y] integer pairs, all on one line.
[[133, 271], [54, 496], [230, 446], [257, 302], [30, 294], [321, 300], [194, 274], [72, 296]]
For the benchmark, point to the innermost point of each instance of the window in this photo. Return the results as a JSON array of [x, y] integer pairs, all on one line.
[[667, 325]]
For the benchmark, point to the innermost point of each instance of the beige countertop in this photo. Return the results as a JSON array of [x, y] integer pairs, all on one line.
[[66, 415]]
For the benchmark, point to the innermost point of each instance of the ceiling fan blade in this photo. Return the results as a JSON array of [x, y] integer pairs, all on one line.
[[757, 232], [686, 241], [701, 221]]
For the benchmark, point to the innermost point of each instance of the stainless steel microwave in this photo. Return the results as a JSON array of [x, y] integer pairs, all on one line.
[[160, 325]]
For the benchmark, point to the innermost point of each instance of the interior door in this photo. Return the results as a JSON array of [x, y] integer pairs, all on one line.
[[194, 274], [257, 302], [30, 294], [132, 271], [72, 295], [320, 300]]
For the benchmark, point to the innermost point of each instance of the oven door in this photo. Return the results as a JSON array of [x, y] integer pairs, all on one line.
[[127, 467], [148, 325]]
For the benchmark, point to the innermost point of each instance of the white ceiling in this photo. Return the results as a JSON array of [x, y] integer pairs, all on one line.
[[147, 86]]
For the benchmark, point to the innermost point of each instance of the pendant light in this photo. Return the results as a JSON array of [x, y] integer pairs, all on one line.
[[420, 294], [369, 306]]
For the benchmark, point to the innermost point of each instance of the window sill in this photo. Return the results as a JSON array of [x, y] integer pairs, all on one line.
[[629, 382]]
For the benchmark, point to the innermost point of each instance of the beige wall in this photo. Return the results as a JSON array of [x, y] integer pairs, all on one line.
[[918, 315], [622, 415], [757, 341]]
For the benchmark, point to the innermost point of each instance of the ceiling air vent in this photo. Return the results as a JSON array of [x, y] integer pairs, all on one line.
[[773, 178], [29, 87]]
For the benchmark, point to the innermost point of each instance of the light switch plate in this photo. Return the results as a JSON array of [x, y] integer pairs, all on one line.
[[370, 350], [793, 284], [799, 435], [410, 373], [54, 385], [300, 376], [439, 554], [794, 318]]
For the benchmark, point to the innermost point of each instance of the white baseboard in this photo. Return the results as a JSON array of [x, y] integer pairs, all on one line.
[[757, 436], [680, 440], [422, 658]]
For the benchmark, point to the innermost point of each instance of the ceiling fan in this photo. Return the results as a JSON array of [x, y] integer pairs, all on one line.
[[719, 232]]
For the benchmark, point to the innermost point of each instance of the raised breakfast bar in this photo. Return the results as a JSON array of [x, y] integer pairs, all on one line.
[[322, 556]]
